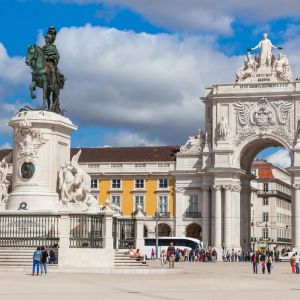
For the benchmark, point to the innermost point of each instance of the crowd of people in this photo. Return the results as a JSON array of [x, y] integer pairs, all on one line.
[[41, 258], [260, 260]]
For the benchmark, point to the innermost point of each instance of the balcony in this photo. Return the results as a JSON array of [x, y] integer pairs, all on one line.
[[193, 214], [284, 240], [163, 214], [275, 193]]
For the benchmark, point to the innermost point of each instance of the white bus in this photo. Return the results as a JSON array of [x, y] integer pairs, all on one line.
[[164, 242]]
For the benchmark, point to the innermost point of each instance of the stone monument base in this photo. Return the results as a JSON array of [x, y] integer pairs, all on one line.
[[33, 201], [41, 147]]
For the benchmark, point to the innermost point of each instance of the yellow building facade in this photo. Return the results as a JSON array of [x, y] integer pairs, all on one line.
[[151, 197], [135, 176]]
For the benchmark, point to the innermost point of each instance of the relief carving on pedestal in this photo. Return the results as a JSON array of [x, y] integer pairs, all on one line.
[[28, 140], [264, 117]]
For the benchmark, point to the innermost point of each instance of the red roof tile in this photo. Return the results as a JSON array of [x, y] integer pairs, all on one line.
[[121, 154], [265, 174]]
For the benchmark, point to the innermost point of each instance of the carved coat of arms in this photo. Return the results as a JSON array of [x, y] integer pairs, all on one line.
[[28, 140], [264, 117]]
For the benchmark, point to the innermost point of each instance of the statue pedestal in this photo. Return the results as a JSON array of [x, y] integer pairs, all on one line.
[[41, 146]]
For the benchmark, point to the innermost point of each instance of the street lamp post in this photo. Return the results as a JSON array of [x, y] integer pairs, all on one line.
[[156, 218], [253, 239]]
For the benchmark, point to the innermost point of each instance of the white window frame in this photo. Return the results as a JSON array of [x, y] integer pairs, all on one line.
[[111, 185], [265, 233], [137, 180], [265, 216], [189, 203], [116, 195], [158, 183], [93, 180], [158, 202], [144, 200]]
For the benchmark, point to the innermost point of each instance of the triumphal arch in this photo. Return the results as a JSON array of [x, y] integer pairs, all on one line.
[[260, 109]]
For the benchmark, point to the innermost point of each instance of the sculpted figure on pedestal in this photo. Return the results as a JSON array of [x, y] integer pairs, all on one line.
[[282, 67], [249, 68], [223, 129], [194, 143], [265, 54], [45, 73], [74, 184], [4, 182]]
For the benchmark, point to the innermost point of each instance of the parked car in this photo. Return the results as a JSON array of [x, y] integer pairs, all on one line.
[[286, 256]]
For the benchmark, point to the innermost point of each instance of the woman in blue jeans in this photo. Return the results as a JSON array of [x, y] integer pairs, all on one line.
[[37, 256]]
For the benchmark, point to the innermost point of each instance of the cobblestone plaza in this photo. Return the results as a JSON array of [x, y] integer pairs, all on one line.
[[195, 281]]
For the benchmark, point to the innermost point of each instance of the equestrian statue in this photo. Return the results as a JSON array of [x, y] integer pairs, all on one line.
[[45, 74]]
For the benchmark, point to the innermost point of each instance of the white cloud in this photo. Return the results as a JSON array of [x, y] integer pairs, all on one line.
[[146, 85], [13, 74], [280, 158], [137, 81], [6, 146], [203, 15], [13, 69], [126, 138]]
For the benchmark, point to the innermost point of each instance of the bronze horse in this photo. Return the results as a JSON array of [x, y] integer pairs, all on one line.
[[43, 77]]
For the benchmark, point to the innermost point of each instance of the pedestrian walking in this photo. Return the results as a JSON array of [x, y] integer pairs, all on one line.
[[44, 260], [297, 261], [152, 254], [263, 262], [37, 256], [254, 259], [293, 263], [171, 255], [269, 263], [163, 258], [52, 257]]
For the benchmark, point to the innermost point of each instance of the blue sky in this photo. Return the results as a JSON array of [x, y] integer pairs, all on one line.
[[135, 95]]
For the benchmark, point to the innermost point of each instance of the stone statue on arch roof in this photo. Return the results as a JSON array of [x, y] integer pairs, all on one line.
[[249, 68], [194, 143], [265, 47], [282, 67]]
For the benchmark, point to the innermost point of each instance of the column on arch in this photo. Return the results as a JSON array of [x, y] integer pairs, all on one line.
[[217, 216], [179, 211], [296, 217], [228, 217], [206, 215], [236, 217], [246, 196]]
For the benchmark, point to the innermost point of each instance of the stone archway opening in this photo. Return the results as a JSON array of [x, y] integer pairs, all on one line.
[[257, 148], [266, 195], [194, 230], [164, 230]]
